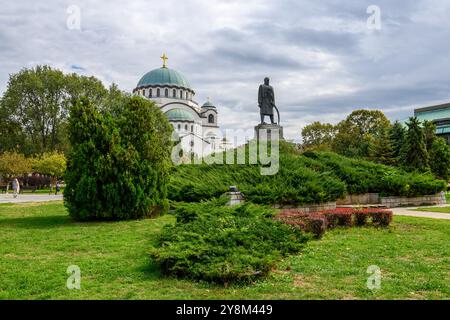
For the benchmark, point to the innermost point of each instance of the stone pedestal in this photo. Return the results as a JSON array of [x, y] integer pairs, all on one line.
[[266, 131], [235, 198]]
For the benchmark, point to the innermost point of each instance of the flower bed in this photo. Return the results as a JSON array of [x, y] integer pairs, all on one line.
[[318, 222]]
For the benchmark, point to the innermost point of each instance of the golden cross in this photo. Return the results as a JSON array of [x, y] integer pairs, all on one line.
[[164, 59]]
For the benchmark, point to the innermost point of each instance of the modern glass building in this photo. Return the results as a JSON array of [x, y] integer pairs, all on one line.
[[440, 115]]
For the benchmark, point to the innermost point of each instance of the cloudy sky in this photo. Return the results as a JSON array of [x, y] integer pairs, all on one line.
[[323, 58]]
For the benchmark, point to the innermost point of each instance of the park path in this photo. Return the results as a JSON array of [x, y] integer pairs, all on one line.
[[22, 198], [411, 213]]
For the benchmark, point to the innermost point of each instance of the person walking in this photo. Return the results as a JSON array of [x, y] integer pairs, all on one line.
[[16, 187], [57, 187]]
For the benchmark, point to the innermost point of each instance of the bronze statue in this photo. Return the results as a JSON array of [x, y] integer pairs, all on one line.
[[266, 101]]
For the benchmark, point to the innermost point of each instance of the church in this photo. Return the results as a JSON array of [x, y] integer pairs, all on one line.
[[196, 126]]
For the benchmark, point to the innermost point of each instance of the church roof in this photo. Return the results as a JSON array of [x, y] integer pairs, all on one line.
[[178, 114], [208, 104], [164, 76]]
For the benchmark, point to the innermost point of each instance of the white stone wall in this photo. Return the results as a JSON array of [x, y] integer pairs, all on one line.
[[392, 202], [311, 207]]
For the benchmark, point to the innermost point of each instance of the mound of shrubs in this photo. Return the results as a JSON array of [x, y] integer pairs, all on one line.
[[312, 177], [361, 176], [222, 244], [317, 223], [293, 184]]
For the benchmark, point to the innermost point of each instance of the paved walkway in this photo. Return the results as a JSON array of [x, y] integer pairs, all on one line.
[[8, 198], [409, 212]]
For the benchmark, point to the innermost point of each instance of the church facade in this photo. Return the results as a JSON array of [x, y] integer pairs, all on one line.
[[196, 126]]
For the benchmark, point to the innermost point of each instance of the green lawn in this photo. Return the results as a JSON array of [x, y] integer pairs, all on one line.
[[434, 209], [39, 241], [44, 191], [447, 196]]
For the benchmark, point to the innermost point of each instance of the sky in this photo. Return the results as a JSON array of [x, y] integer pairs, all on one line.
[[324, 58]]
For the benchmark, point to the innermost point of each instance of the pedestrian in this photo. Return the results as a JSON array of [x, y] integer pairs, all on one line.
[[57, 187], [16, 187]]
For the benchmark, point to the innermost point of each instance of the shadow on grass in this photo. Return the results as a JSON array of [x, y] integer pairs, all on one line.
[[48, 222], [151, 270]]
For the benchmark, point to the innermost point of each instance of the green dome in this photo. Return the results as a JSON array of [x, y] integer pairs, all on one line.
[[208, 104], [179, 115], [164, 76]]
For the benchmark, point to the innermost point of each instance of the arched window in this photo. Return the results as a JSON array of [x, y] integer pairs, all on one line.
[[187, 95], [192, 128], [179, 127], [166, 93], [210, 118], [185, 127], [150, 93], [143, 92], [158, 92], [174, 93], [181, 94]]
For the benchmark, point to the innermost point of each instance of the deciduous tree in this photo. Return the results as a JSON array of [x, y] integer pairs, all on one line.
[[355, 135], [14, 164], [318, 136]]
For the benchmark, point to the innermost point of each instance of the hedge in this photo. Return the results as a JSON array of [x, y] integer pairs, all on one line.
[[361, 176], [317, 223]]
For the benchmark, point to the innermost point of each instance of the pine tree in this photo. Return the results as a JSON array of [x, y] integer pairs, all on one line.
[[397, 138], [414, 155], [382, 151], [118, 167], [429, 129], [440, 158]]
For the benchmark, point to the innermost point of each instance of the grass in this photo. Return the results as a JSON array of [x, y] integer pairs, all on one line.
[[434, 209], [39, 241], [447, 196]]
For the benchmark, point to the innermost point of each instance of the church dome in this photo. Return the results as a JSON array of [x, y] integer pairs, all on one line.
[[178, 114], [164, 76], [208, 104]]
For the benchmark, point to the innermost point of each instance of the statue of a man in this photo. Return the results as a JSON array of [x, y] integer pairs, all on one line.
[[266, 101]]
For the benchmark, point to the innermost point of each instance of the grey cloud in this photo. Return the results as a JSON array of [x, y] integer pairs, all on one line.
[[322, 60]]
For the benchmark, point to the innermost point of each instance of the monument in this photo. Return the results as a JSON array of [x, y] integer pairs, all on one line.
[[266, 103]]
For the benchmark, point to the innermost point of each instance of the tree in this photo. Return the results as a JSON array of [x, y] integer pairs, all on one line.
[[51, 164], [355, 135], [368, 121], [429, 129], [414, 154], [397, 138], [318, 136], [32, 100], [14, 164], [382, 151], [118, 166], [34, 108], [440, 158]]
